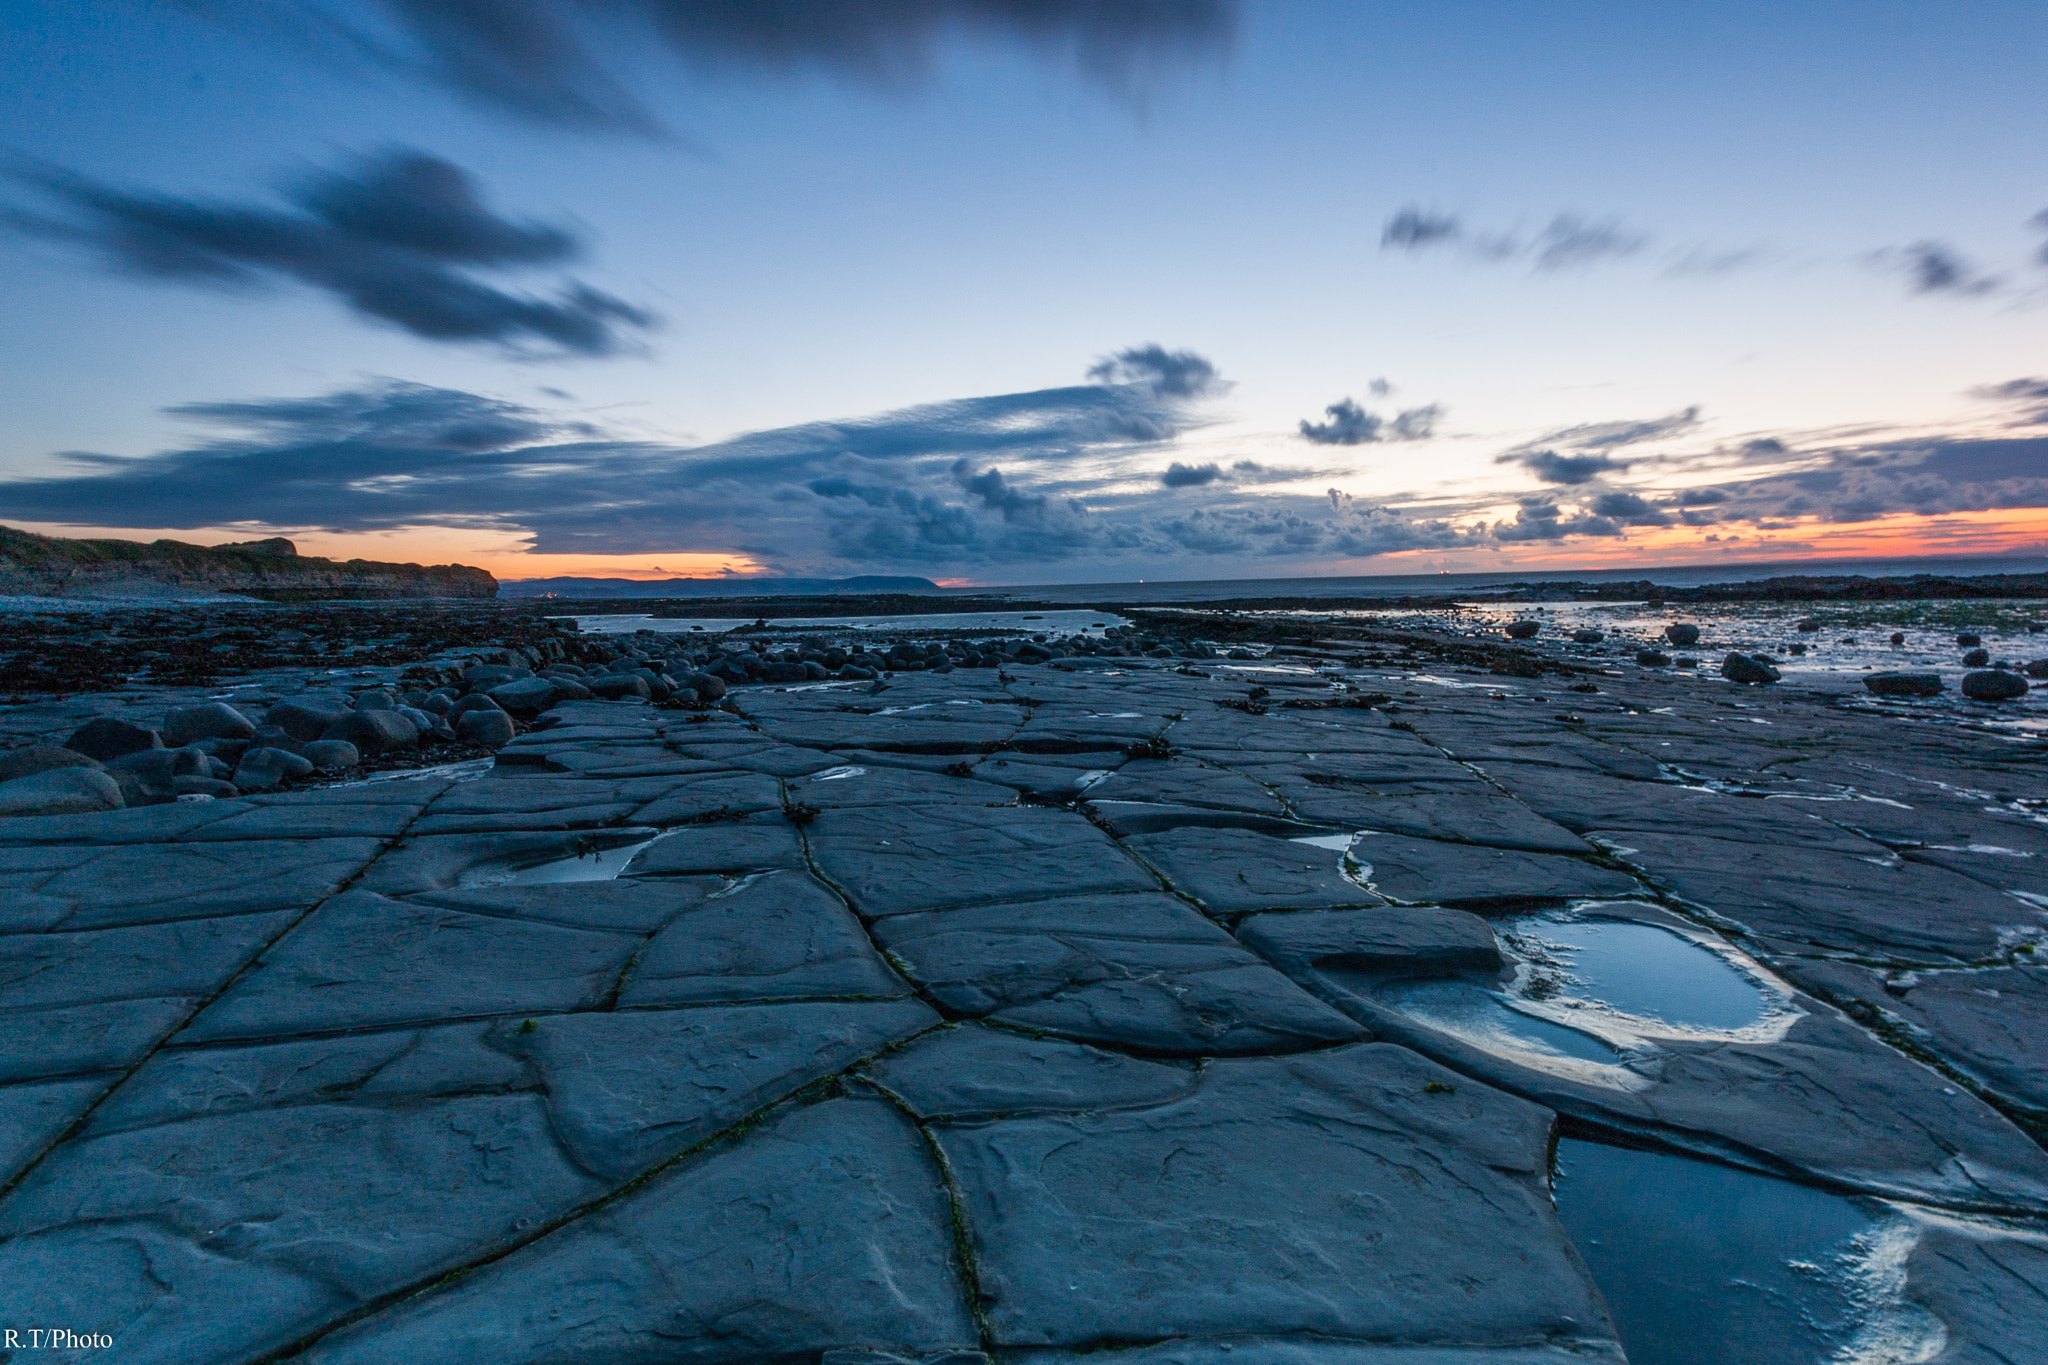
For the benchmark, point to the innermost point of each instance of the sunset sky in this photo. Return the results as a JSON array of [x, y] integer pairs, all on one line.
[[1020, 292]]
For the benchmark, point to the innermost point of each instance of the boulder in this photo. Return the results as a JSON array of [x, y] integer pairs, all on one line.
[[1748, 670], [1904, 684], [1808, 626], [107, 738], [41, 758], [1969, 639], [475, 701], [1682, 633], [330, 755], [376, 699], [1653, 658], [1977, 658], [2037, 668], [214, 720], [304, 721], [1523, 630], [262, 769], [1993, 685], [619, 686], [60, 791], [488, 729], [1898, 637], [1588, 637], [374, 732], [709, 687]]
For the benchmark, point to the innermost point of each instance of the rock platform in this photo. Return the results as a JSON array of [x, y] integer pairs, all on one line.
[[1025, 1013]]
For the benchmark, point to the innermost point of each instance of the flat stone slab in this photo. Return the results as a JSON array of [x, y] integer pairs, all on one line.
[[1319, 1196], [1231, 872], [900, 860], [829, 1227], [1410, 940], [1425, 871], [1140, 971], [974, 1072]]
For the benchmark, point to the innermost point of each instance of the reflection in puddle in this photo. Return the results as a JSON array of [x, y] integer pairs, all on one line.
[[1639, 970], [1706, 1265], [835, 774], [1341, 842], [601, 865], [1485, 1019]]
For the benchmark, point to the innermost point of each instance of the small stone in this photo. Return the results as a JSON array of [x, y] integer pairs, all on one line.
[[214, 720], [490, 729], [107, 738], [1682, 633], [1808, 626], [1904, 684], [374, 732], [60, 791], [1748, 670], [1795, 648], [1523, 630], [41, 758], [709, 687], [1685, 661], [1993, 685], [332, 755], [1652, 658], [1977, 658], [1969, 639], [1588, 637], [2037, 668], [1898, 637]]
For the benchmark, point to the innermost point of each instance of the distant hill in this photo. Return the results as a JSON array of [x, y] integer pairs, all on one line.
[[274, 570], [586, 588]]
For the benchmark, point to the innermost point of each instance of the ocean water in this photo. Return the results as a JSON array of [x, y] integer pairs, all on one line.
[[1416, 585]]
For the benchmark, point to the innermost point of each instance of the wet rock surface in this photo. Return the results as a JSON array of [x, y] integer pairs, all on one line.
[[1020, 1000]]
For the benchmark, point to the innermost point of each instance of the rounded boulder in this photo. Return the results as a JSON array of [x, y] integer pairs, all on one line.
[[107, 738], [1748, 670], [1904, 684], [1523, 630], [374, 732], [1682, 633], [60, 791], [487, 729], [214, 720], [1993, 684]]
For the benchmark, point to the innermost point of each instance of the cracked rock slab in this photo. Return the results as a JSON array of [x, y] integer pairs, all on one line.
[[901, 860], [824, 1229], [1426, 872], [1327, 1196], [1233, 871]]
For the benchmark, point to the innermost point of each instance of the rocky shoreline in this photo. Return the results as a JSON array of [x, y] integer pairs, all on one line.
[[1206, 989]]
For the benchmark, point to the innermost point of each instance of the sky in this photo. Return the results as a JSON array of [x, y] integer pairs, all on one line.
[[1027, 291]]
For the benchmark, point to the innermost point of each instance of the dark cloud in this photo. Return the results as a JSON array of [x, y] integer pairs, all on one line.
[[1933, 267], [1567, 241], [562, 62], [394, 238], [1552, 467], [1170, 374], [1544, 520], [2030, 394], [1630, 509], [1702, 497], [1414, 228], [973, 481], [1607, 435], [1571, 242], [1351, 425], [1180, 475], [1764, 448]]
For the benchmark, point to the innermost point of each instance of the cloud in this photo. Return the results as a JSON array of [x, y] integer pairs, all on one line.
[[1630, 509], [1552, 467], [395, 237], [974, 481], [1545, 520], [1180, 475], [1571, 242], [1170, 374], [1568, 241], [1933, 267], [1351, 425], [563, 62], [1607, 435], [2031, 394], [1413, 228]]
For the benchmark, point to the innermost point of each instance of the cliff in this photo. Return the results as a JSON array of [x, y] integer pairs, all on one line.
[[47, 566]]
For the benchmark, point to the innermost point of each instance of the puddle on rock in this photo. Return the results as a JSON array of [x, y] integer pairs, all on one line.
[[600, 865], [1484, 1018], [1642, 971], [1703, 1264]]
